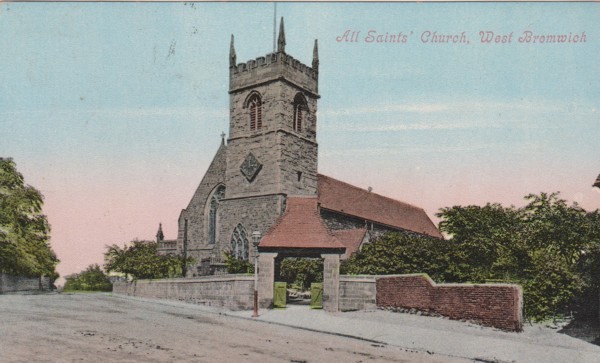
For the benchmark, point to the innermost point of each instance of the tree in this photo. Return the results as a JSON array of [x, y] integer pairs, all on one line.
[[91, 279], [301, 272], [486, 241], [24, 230], [400, 253], [237, 265], [539, 246], [141, 260]]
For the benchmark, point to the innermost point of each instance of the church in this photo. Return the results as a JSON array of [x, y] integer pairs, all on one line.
[[264, 178]]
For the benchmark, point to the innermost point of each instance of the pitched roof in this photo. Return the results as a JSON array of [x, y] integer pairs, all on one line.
[[597, 183], [344, 198], [300, 227], [351, 238]]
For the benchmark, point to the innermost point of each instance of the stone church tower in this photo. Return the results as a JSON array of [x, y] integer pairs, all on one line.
[[272, 147], [271, 153], [270, 156]]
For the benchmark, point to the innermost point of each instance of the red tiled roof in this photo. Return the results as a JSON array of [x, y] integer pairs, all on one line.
[[351, 238], [344, 198], [300, 227], [597, 183]]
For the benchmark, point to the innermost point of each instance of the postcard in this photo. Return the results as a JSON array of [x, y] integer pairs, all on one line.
[[197, 124]]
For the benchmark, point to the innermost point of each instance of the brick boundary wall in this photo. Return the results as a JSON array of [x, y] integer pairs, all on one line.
[[10, 283], [494, 305], [357, 292], [235, 292]]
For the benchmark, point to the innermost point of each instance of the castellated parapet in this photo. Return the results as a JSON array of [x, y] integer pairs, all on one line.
[[273, 67]]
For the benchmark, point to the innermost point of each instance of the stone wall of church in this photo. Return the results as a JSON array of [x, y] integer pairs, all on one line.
[[253, 213], [196, 212], [298, 165], [262, 143], [264, 148], [338, 221], [281, 151]]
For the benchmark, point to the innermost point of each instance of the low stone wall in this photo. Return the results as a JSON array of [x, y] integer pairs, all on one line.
[[357, 293], [235, 292], [10, 283], [495, 305]]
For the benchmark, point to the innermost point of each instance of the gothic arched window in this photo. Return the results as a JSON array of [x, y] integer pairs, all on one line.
[[213, 213], [300, 111], [239, 243], [254, 105]]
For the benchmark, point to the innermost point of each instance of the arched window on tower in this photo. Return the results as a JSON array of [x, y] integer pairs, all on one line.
[[300, 112], [239, 243], [215, 200], [254, 105]]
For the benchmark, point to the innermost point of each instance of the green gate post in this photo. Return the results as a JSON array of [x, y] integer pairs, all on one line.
[[279, 294], [316, 295]]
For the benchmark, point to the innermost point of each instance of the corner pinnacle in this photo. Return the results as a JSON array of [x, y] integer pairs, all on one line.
[[232, 56], [315, 62], [281, 38]]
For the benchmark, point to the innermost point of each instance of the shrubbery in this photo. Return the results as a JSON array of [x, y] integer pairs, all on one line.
[[237, 265], [299, 273], [92, 279], [141, 260]]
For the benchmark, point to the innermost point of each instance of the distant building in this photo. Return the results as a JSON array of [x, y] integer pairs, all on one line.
[[272, 155]]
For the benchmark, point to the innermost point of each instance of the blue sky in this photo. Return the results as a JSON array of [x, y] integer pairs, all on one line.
[[114, 110]]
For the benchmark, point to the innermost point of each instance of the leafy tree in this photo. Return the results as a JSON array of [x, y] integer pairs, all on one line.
[[301, 272], [486, 241], [24, 230], [398, 253], [559, 229], [141, 260], [237, 265], [539, 246], [91, 279]]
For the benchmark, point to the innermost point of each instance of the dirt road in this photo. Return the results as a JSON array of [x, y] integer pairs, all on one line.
[[101, 327]]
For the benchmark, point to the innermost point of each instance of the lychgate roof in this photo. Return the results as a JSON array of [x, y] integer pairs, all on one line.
[[300, 227], [597, 183], [344, 198]]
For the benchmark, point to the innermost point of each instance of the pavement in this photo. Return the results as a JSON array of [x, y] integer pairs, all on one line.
[[435, 335]]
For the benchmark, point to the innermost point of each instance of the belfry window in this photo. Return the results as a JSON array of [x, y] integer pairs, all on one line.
[[239, 243], [254, 106], [213, 214], [300, 111]]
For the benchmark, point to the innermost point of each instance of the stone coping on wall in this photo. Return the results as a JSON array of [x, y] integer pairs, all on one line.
[[359, 278], [373, 278], [442, 284], [212, 278]]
